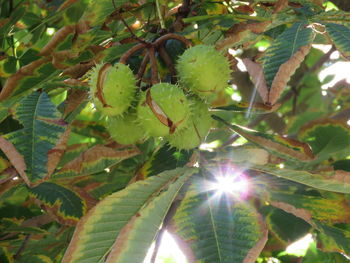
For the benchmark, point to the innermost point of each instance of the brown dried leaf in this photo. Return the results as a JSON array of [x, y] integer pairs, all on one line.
[[284, 73], [298, 212], [26, 70], [254, 252], [15, 158], [256, 72], [55, 154]]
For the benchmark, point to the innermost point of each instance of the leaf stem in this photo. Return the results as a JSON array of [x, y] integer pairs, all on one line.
[[161, 20]]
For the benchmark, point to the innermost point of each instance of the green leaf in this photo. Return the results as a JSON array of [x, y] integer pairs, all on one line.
[[36, 259], [5, 256], [329, 210], [326, 137], [218, 228], [331, 234], [126, 222], [67, 205], [166, 158], [94, 160], [97, 12], [335, 183], [43, 127], [278, 145], [29, 77], [340, 35], [285, 226], [284, 47]]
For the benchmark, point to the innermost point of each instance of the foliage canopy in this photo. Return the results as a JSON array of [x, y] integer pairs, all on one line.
[[274, 167]]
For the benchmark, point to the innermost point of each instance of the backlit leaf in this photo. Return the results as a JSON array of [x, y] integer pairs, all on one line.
[[141, 206], [67, 205], [43, 127]]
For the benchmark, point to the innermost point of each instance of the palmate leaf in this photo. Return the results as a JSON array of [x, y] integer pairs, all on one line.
[[219, 229], [284, 47], [67, 205], [337, 182], [340, 35], [43, 127], [126, 222]]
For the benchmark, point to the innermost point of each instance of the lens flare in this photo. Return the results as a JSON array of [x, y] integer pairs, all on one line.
[[237, 185]]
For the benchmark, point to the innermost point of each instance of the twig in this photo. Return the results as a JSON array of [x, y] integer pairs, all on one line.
[[131, 51], [132, 33], [142, 68], [162, 39], [169, 63], [22, 247], [154, 69], [161, 20]]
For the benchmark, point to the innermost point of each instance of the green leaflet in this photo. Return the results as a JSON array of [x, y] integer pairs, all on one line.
[[340, 35], [278, 145], [98, 11], [331, 234], [94, 160], [42, 128], [5, 256], [284, 47], [329, 210], [37, 73], [326, 137], [66, 204], [218, 229], [128, 219], [166, 158], [36, 259], [331, 183], [287, 227]]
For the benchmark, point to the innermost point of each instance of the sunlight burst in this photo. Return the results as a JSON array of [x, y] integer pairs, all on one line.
[[231, 185]]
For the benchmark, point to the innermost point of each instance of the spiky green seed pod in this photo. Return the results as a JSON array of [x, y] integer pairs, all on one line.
[[112, 88], [125, 130], [198, 128], [163, 110], [204, 71]]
